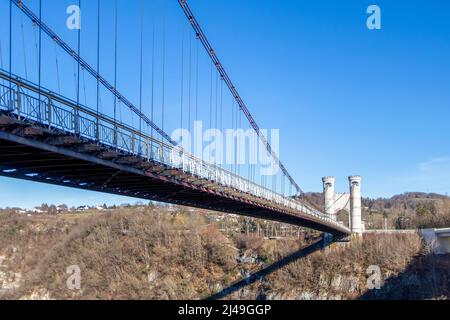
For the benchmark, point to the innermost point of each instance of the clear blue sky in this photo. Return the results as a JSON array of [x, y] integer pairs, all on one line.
[[347, 100]]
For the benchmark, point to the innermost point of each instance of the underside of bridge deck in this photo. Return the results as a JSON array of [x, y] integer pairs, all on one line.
[[33, 153]]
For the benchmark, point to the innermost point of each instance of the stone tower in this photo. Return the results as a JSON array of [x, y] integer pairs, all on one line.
[[328, 190], [355, 205]]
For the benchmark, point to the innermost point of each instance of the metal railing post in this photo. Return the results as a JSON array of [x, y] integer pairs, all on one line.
[[133, 143], [19, 103], [76, 121], [97, 129], [171, 157], [161, 153], [116, 136], [49, 111], [148, 151], [182, 161]]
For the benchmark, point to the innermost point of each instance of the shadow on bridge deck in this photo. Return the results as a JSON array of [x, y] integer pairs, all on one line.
[[302, 253]]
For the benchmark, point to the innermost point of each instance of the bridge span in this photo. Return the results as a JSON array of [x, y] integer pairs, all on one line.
[[47, 138]]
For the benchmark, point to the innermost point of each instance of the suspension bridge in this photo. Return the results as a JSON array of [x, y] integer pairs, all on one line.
[[65, 119]]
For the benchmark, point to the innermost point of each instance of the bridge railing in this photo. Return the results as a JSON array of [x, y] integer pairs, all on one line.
[[26, 101], [4, 97]]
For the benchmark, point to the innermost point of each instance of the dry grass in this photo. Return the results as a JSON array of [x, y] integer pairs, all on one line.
[[341, 273], [144, 254], [117, 253]]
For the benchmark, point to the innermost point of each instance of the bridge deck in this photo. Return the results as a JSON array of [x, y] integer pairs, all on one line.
[[38, 150]]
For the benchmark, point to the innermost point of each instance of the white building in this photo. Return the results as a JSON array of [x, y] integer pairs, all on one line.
[[438, 240]]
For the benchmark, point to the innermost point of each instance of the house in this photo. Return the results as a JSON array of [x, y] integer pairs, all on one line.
[[19, 211], [62, 208], [38, 210]]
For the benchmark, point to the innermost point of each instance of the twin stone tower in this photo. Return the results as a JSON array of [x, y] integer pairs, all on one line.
[[335, 202]]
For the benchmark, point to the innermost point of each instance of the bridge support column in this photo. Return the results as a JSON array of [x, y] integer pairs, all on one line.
[[327, 240], [355, 206], [328, 190]]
